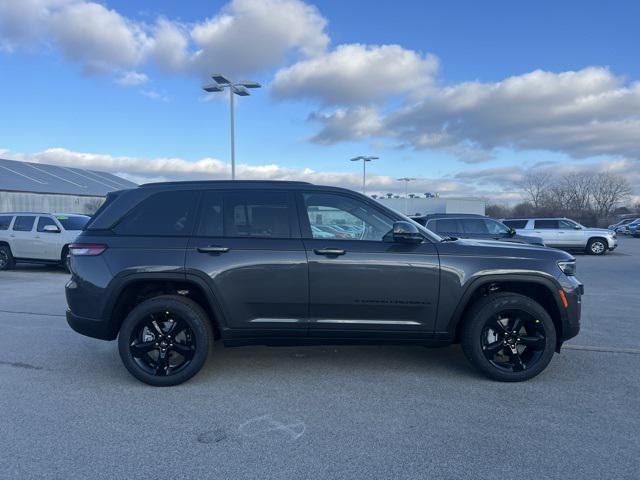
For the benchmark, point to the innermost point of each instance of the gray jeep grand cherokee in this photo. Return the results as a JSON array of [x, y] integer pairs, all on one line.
[[166, 268]]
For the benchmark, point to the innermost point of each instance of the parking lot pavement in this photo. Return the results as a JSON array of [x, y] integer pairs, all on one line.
[[70, 410]]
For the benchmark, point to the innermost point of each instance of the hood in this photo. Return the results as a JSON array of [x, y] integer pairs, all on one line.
[[599, 230], [469, 246]]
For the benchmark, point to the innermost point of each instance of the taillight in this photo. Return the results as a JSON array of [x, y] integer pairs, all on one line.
[[86, 249]]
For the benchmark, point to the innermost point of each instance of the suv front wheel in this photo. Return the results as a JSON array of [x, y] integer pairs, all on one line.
[[597, 246], [165, 340], [508, 337]]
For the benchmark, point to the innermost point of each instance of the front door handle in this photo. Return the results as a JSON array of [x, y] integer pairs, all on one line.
[[213, 249], [329, 252]]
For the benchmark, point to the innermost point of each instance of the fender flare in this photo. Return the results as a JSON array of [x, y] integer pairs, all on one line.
[[120, 283], [550, 283]]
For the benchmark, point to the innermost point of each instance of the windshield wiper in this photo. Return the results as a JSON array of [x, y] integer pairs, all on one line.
[[449, 239]]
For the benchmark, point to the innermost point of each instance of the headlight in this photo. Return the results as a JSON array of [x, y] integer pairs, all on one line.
[[568, 267]]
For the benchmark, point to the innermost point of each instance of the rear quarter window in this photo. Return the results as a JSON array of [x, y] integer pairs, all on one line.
[[515, 223], [170, 213]]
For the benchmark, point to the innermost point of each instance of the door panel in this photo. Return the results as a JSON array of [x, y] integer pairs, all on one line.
[[373, 286], [361, 283], [48, 243], [23, 241], [248, 247], [261, 284]]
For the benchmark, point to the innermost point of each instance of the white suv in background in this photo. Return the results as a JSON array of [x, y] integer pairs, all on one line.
[[37, 237], [565, 234]]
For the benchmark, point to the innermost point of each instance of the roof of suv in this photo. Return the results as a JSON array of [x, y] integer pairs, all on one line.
[[227, 183], [430, 216]]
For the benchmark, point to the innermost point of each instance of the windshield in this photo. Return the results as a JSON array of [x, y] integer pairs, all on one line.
[[72, 222]]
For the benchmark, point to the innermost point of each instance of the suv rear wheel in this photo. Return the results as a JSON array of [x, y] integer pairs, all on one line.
[[6, 258], [508, 337], [165, 340], [597, 246]]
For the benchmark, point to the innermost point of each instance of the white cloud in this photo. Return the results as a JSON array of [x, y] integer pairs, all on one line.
[[252, 35], [143, 170], [582, 113], [494, 183], [356, 74], [132, 79], [246, 36], [347, 124], [96, 37]]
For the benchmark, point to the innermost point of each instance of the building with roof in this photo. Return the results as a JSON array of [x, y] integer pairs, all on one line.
[[38, 187], [423, 206]]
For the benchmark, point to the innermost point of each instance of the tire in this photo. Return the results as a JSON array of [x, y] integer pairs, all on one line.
[[536, 326], [140, 342], [6, 258], [597, 246]]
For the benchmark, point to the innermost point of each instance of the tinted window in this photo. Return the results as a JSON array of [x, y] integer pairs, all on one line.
[[546, 224], [338, 217], [166, 213], [445, 225], [568, 225], [495, 228], [5, 221], [474, 225], [75, 222], [515, 223], [211, 214], [256, 214], [23, 224], [43, 222]]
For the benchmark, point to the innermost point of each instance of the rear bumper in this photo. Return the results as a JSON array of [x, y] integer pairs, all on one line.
[[90, 326]]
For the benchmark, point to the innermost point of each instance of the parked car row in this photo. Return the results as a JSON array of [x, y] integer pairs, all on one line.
[[627, 226], [37, 237], [560, 233]]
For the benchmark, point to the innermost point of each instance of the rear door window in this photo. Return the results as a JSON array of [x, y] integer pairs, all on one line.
[[546, 224], [23, 224], [475, 226], [256, 214], [5, 221], [445, 225], [170, 213]]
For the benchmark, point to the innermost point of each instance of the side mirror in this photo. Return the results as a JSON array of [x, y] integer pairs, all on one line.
[[406, 232], [512, 232], [577, 227], [51, 229]]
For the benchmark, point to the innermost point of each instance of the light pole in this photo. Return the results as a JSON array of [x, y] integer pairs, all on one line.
[[239, 88], [406, 181], [365, 159]]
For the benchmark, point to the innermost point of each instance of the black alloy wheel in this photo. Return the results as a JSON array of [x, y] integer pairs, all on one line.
[[513, 340], [162, 344], [165, 340], [508, 337]]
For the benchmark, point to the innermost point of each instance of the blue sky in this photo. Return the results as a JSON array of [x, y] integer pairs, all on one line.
[[466, 96]]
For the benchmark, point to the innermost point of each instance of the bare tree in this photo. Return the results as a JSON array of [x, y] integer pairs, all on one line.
[[608, 191], [535, 184]]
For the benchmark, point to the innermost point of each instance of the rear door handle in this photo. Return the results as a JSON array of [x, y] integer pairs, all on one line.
[[213, 249], [330, 252]]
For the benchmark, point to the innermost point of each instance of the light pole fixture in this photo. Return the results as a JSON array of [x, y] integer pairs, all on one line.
[[365, 159], [406, 181], [238, 88]]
